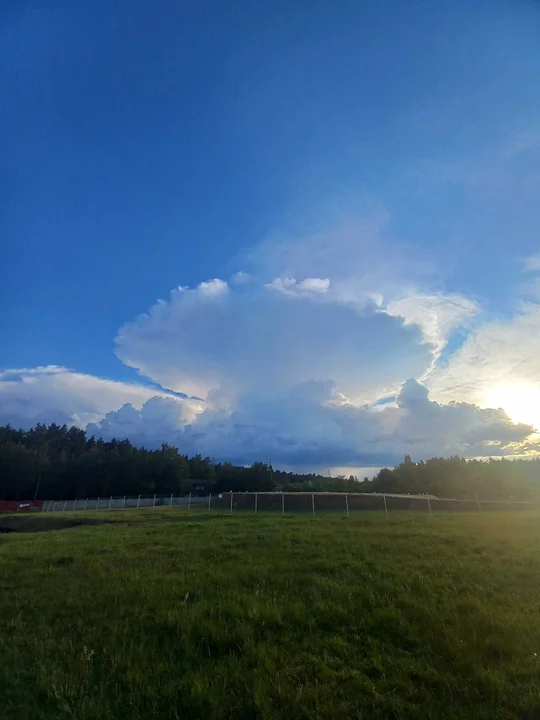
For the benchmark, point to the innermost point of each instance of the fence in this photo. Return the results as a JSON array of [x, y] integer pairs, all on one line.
[[123, 503], [301, 502]]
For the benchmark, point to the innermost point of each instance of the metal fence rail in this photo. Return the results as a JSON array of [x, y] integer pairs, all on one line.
[[122, 502], [301, 502]]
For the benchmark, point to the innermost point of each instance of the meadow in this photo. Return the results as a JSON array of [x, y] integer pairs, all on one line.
[[161, 613]]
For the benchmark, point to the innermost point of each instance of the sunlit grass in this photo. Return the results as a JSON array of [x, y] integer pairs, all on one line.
[[162, 614]]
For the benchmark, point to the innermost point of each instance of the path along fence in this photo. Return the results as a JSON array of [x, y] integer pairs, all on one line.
[[300, 502]]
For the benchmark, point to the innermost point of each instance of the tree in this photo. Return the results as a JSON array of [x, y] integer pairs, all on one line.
[[65, 463]]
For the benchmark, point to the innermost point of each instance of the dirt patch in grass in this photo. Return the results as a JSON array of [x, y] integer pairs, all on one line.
[[30, 524]]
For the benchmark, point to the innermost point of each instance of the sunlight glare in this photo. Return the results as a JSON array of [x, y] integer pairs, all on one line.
[[520, 402]]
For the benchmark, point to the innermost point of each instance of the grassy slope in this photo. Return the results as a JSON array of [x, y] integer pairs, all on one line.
[[175, 616]]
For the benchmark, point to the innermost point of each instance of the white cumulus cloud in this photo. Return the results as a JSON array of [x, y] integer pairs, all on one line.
[[290, 286], [306, 426], [57, 394], [256, 340]]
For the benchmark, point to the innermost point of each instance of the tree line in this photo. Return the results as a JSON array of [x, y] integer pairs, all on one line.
[[56, 462], [455, 477]]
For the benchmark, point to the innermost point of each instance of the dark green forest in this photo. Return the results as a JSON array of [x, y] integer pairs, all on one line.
[[58, 462]]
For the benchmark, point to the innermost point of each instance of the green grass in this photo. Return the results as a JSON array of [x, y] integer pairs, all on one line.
[[162, 614]]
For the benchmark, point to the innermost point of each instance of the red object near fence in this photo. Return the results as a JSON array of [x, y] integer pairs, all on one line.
[[17, 505]]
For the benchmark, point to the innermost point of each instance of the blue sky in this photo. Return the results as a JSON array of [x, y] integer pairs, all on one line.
[[390, 150]]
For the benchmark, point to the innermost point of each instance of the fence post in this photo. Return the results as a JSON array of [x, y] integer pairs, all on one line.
[[189, 502], [283, 503], [85, 503], [124, 503], [138, 501], [170, 503], [385, 506], [55, 504], [97, 504], [477, 501], [110, 501], [347, 503], [154, 503], [256, 501], [64, 508], [429, 505], [231, 499], [313, 503], [209, 500]]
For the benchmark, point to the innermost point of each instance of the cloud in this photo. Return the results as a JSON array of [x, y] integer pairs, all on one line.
[[358, 258], [437, 315], [292, 288], [311, 425], [272, 338], [457, 427], [532, 264], [160, 419], [56, 394], [499, 354], [291, 364], [280, 375], [358, 264], [213, 288], [240, 278]]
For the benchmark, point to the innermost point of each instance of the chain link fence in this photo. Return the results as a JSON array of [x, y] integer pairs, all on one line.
[[282, 502]]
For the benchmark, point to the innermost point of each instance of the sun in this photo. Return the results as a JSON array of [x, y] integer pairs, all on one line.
[[520, 402]]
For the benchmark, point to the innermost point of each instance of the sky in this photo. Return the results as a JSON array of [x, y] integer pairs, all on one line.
[[304, 231]]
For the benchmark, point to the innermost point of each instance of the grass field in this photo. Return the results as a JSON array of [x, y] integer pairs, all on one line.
[[162, 614]]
